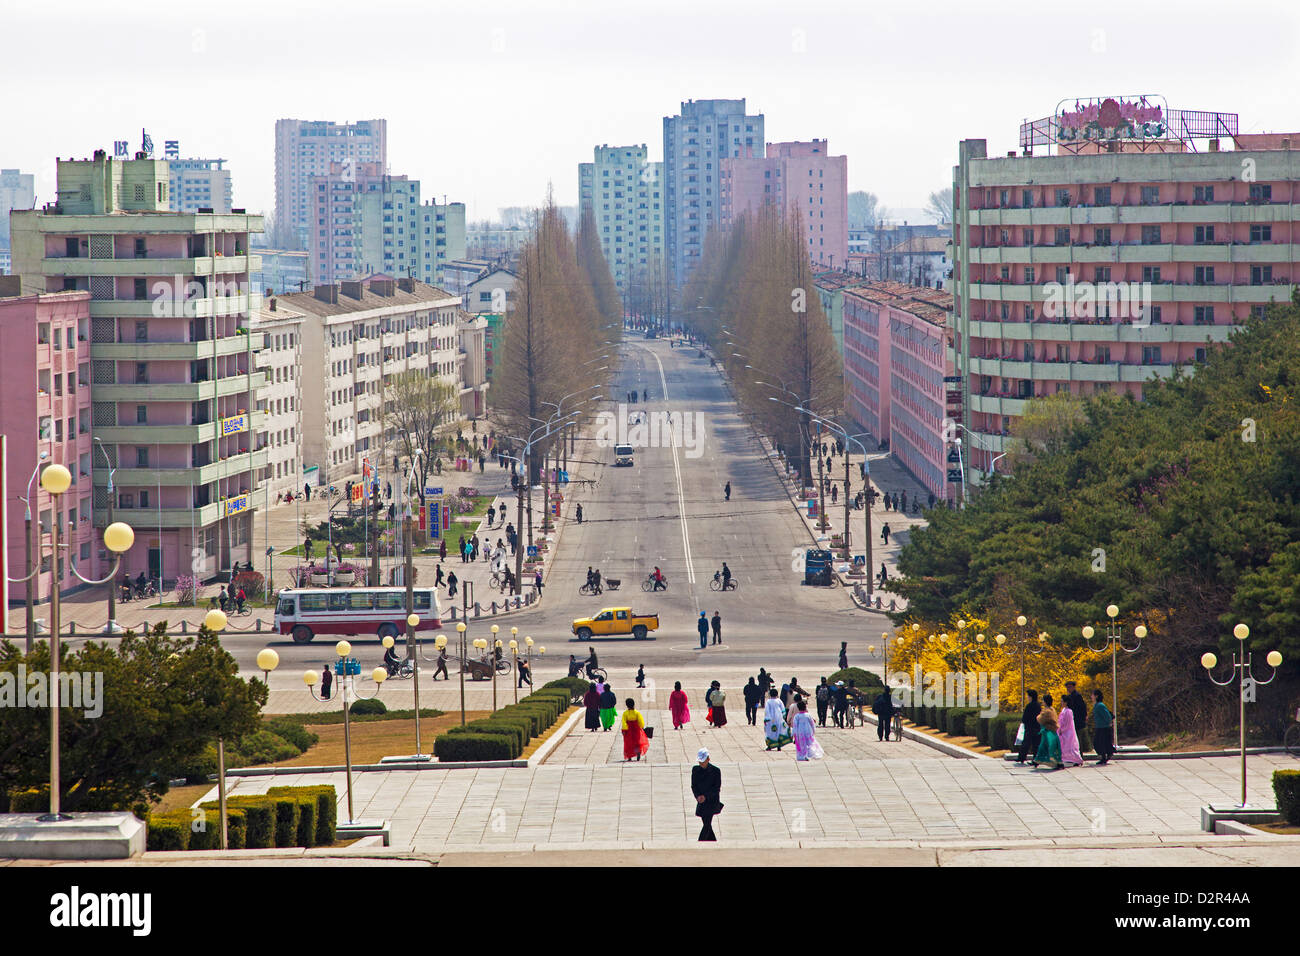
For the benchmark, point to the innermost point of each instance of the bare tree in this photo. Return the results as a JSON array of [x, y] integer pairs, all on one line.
[[940, 205], [417, 407]]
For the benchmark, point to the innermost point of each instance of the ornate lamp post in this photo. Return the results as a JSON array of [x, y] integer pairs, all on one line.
[[1114, 640], [1023, 646], [347, 668], [118, 538], [1247, 683], [496, 645], [514, 650]]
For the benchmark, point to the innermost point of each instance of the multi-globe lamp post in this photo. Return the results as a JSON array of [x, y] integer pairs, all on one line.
[[1247, 682], [414, 655], [118, 538], [1025, 645], [1113, 640]]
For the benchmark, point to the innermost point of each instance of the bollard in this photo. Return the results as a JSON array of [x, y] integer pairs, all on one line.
[[494, 607], [185, 628], [453, 613], [477, 609], [258, 629], [72, 629]]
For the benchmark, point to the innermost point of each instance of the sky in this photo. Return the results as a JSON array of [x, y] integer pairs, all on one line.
[[490, 103]]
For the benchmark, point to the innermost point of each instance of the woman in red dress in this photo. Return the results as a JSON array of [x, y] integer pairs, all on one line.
[[678, 706], [635, 741]]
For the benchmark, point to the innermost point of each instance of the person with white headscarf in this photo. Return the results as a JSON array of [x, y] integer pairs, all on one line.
[[774, 725]]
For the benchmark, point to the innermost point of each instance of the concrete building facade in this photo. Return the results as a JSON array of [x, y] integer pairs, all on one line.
[[805, 180], [172, 377], [623, 190], [280, 399], [696, 141], [46, 408], [17, 191], [200, 184], [304, 149], [1099, 270]]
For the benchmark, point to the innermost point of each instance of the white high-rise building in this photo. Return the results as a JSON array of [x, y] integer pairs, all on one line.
[[17, 191], [304, 149], [624, 192]]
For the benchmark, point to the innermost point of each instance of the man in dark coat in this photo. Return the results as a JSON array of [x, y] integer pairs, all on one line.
[[764, 684], [706, 784], [844, 655], [1029, 741], [753, 697], [716, 622], [883, 708], [702, 625]]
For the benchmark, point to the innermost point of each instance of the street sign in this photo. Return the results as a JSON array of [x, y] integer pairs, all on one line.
[[432, 492], [954, 456], [952, 379], [954, 475]]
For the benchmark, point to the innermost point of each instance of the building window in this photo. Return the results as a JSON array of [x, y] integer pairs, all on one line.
[[1063, 197], [1150, 235], [1150, 195], [1261, 192], [1101, 196], [1203, 234], [1261, 233], [1203, 194]]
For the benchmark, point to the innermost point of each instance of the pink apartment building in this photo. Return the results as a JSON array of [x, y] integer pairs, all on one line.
[[1135, 245], [46, 407], [898, 375], [801, 177]]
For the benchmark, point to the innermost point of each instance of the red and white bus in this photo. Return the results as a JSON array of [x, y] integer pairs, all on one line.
[[306, 612]]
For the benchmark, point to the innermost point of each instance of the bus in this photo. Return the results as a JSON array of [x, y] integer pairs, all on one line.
[[306, 612]]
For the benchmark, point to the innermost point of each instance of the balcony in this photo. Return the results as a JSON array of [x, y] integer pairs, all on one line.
[[153, 518], [131, 433], [150, 266], [180, 391], [200, 307], [176, 351], [175, 477]]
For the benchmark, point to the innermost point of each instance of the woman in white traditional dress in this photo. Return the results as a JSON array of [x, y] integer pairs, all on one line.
[[774, 726], [805, 734]]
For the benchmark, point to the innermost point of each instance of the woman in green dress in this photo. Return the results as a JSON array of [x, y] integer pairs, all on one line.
[[1049, 743], [608, 703]]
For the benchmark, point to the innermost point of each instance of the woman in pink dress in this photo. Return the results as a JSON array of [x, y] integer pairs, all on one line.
[[1070, 755], [681, 713]]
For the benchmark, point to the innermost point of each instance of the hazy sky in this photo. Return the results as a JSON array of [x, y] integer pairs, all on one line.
[[488, 101]]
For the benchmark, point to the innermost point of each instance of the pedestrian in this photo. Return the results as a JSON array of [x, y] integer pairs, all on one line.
[[608, 703], [306, 491], [706, 785], [640, 675], [461, 548], [579, 514], [903, 499], [442, 549], [679, 706], [835, 493], [823, 695], [635, 741], [591, 700], [883, 708], [1049, 742], [718, 705], [388, 490], [482, 460], [537, 581], [1070, 755], [1103, 730], [442, 664], [307, 548], [764, 684], [1029, 729], [805, 735], [774, 728], [844, 655], [1074, 700], [884, 533], [839, 703], [716, 622], [492, 515], [452, 581], [326, 682], [702, 625], [437, 580], [727, 491], [884, 574], [753, 697]]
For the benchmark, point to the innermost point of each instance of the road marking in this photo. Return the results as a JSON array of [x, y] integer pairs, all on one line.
[[677, 473]]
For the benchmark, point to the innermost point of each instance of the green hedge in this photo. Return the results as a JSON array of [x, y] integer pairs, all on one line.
[[536, 717], [168, 831], [509, 732], [1286, 787], [286, 819], [984, 730], [863, 680], [548, 705], [372, 706], [259, 817], [957, 718], [1004, 732], [465, 746], [576, 687], [29, 801], [291, 730], [326, 815]]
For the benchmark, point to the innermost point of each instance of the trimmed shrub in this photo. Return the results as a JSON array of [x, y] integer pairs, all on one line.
[[549, 705], [525, 724], [29, 801], [327, 809], [511, 729], [259, 817], [372, 706], [236, 828], [262, 746], [961, 721], [208, 835], [306, 835], [983, 728], [291, 730], [286, 819], [508, 734], [450, 748], [168, 831], [864, 680], [557, 694], [576, 687], [1286, 787], [533, 716]]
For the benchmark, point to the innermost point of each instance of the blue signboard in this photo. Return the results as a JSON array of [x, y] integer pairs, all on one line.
[[434, 520], [532, 550]]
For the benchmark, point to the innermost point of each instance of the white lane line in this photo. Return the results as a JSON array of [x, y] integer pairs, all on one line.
[[677, 472]]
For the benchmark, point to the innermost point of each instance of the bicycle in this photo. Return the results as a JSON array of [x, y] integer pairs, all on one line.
[[716, 584], [403, 671], [649, 584], [898, 726], [593, 589]]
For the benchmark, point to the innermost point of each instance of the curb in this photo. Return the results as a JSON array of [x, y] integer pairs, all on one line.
[[545, 750], [950, 750]]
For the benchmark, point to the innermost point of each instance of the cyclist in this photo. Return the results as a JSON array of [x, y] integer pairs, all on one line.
[[240, 598], [592, 664], [658, 576], [141, 583], [726, 576], [391, 661]]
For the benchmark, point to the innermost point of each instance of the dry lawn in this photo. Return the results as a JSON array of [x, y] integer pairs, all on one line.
[[374, 739]]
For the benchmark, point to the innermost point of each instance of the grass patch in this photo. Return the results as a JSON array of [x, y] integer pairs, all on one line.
[[374, 739], [336, 716], [1283, 828], [178, 798]]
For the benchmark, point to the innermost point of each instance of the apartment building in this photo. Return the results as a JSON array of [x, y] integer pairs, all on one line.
[[280, 399], [172, 375], [17, 191], [440, 237], [46, 408], [491, 297], [696, 141], [1135, 244], [357, 337], [197, 184], [803, 179], [623, 191], [304, 149], [472, 372]]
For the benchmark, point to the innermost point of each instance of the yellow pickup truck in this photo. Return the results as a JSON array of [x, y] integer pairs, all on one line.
[[615, 620]]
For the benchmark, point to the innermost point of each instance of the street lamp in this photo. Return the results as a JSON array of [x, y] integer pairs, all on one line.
[[32, 570], [347, 668], [112, 625], [118, 538], [1247, 684], [1114, 639], [514, 650], [1024, 646], [495, 645]]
